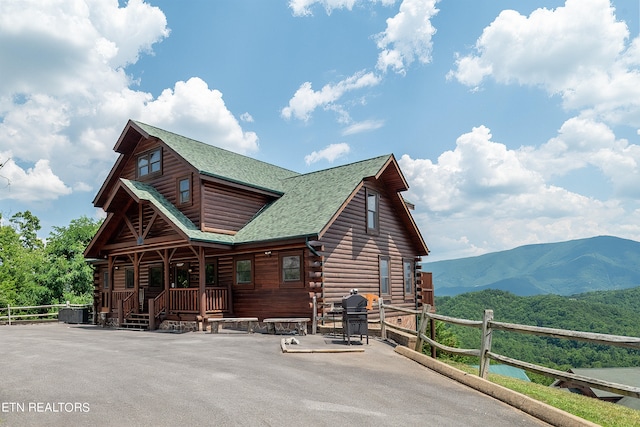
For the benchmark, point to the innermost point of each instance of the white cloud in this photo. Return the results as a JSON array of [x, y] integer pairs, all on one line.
[[303, 7], [130, 30], [246, 117], [477, 172], [407, 36], [578, 51], [192, 109], [581, 142], [62, 47], [364, 126], [306, 100], [550, 47], [64, 94], [329, 153], [484, 195], [33, 184]]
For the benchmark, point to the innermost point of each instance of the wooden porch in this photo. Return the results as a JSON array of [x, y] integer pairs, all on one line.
[[177, 303]]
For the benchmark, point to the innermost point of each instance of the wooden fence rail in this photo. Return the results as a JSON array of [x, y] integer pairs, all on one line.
[[15, 313], [484, 353]]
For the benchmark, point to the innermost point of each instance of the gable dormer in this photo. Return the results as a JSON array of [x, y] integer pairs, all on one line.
[[218, 190]]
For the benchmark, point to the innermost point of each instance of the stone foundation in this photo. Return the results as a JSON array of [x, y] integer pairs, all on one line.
[[107, 322], [179, 326], [282, 328]]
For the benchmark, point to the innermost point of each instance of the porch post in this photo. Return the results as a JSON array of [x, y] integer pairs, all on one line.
[[202, 282], [111, 282], [136, 282], [152, 315], [167, 277], [120, 313]]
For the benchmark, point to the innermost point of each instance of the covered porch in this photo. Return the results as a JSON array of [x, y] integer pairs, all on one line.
[[178, 284]]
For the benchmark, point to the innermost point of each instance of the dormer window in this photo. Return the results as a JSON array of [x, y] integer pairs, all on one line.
[[150, 163]]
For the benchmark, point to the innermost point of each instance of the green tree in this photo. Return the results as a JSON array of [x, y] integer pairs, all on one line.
[[67, 274], [28, 226], [32, 273], [21, 257]]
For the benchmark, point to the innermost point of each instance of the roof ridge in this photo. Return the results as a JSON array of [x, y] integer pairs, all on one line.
[[386, 156], [214, 146]]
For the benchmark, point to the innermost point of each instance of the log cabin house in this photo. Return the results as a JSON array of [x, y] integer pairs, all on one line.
[[194, 230]]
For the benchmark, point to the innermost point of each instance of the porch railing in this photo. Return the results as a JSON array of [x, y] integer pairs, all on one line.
[[217, 299], [117, 296], [184, 300], [187, 300], [128, 305], [160, 303]]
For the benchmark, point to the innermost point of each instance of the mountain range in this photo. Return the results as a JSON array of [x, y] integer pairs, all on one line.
[[566, 268]]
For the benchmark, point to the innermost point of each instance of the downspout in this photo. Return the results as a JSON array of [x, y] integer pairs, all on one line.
[[313, 251]]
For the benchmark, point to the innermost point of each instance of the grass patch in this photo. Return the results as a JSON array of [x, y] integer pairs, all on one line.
[[604, 413]]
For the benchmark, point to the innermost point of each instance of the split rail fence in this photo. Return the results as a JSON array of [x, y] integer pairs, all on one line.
[[484, 353], [33, 313]]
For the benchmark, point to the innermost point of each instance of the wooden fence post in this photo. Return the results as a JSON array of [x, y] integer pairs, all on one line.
[[485, 346], [383, 327], [422, 329], [432, 334], [9, 313]]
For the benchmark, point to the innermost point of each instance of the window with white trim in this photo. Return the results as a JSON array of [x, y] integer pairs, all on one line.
[[291, 271], [385, 276], [373, 216], [243, 271], [184, 190], [150, 163]]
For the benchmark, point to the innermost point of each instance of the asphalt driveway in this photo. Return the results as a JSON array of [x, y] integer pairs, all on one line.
[[66, 375]]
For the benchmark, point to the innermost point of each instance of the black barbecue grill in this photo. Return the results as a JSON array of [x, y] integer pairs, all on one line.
[[354, 317]]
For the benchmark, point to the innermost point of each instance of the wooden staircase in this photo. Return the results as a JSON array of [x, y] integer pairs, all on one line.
[[137, 321]]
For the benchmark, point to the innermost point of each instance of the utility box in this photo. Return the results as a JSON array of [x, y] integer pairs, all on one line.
[[74, 315]]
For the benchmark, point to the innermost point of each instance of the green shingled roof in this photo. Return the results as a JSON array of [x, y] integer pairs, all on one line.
[[307, 203], [220, 163]]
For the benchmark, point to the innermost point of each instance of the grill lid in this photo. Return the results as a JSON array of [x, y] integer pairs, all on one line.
[[354, 302]]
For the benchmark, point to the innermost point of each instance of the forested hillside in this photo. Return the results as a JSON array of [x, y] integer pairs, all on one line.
[[610, 312], [565, 268]]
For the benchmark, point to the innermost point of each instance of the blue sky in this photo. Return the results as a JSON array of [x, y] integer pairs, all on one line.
[[514, 122]]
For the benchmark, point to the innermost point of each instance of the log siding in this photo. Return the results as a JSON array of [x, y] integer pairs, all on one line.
[[352, 254], [228, 208]]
